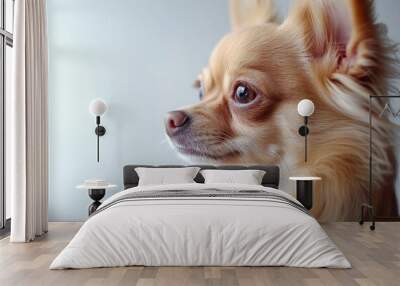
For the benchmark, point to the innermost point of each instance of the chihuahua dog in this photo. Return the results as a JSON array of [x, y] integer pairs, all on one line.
[[329, 51]]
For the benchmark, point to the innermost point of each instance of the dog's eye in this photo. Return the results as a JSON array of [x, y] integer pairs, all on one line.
[[243, 94]]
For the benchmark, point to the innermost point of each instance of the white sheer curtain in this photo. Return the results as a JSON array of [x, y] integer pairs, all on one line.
[[27, 121]]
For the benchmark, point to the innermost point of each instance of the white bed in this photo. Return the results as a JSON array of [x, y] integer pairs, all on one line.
[[205, 230]]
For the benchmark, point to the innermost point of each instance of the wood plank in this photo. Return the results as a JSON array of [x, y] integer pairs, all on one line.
[[375, 257]]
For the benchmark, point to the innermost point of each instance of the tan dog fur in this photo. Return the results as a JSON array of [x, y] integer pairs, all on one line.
[[332, 52]]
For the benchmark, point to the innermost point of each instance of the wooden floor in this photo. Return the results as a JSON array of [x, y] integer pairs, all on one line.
[[375, 257]]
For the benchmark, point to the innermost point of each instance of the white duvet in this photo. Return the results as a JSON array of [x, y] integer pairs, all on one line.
[[200, 231]]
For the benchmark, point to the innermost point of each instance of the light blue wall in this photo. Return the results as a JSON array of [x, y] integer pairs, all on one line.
[[140, 56]]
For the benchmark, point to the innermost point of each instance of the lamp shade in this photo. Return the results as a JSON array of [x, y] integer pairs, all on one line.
[[97, 107], [305, 107]]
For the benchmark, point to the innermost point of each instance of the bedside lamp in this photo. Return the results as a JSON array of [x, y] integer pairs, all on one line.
[[98, 107], [305, 108]]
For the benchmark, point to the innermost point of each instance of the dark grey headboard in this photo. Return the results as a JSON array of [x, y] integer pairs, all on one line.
[[271, 178]]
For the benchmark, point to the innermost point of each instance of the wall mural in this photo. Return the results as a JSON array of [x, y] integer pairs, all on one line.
[[331, 52]]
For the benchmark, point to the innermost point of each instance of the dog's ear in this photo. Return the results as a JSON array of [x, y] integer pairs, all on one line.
[[342, 32], [349, 52], [245, 13]]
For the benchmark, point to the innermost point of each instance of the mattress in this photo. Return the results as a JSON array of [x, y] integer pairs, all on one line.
[[201, 225]]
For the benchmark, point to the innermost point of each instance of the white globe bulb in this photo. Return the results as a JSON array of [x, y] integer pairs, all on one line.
[[97, 107], [305, 107]]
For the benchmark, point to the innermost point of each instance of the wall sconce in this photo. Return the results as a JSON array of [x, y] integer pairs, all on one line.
[[98, 107], [305, 108]]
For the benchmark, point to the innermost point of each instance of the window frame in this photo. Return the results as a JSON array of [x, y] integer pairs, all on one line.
[[6, 39]]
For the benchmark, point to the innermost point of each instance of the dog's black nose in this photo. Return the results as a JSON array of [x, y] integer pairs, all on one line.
[[176, 121]]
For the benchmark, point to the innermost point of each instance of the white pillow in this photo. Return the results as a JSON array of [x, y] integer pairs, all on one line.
[[248, 177], [165, 176]]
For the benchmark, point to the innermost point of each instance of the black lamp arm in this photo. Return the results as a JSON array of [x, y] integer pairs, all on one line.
[[304, 131], [100, 131]]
